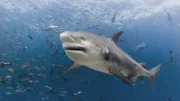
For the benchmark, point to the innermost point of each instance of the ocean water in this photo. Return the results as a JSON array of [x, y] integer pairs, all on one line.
[[38, 63]]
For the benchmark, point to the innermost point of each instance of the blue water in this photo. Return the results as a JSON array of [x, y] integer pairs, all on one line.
[[18, 19]]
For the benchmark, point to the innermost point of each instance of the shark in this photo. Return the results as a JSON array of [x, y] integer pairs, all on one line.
[[102, 54]]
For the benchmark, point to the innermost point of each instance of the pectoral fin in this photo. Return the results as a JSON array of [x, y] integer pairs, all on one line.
[[74, 66]]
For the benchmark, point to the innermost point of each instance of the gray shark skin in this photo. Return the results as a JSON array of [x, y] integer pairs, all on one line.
[[102, 54]]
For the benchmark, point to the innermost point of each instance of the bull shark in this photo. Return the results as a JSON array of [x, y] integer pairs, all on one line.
[[101, 54]]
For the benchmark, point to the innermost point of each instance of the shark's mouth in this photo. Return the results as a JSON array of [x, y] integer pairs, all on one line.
[[75, 49]]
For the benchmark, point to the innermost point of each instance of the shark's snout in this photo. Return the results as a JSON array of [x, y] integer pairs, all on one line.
[[70, 43], [63, 36], [66, 37]]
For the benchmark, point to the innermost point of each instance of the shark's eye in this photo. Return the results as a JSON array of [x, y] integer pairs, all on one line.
[[82, 37]]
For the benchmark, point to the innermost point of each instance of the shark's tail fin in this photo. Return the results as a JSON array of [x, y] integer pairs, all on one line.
[[153, 73]]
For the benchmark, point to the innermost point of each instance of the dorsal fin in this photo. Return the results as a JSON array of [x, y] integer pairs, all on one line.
[[115, 37]]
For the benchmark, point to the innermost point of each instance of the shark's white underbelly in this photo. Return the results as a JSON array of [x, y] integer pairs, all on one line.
[[101, 67]]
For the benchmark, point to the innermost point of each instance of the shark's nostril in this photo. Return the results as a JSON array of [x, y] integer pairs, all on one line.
[[63, 35], [66, 37]]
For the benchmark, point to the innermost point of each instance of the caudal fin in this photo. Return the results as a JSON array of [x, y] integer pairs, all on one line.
[[153, 73]]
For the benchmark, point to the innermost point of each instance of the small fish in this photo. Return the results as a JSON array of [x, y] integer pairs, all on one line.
[[77, 29], [3, 79], [7, 63], [122, 40], [168, 15], [24, 48], [19, 91], [113, 19], [62, 94], [53, 65], [11, 70], [171, 57], [31, 74], [25, 80], [34, 69], [49, 88], [43, 69], [55, 52], [92, 27], [25, 66], [141, 47], [51, 27], [3, 64], [30, 37], [77, 93], [8, 77], [8, 93], [36, 81]]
